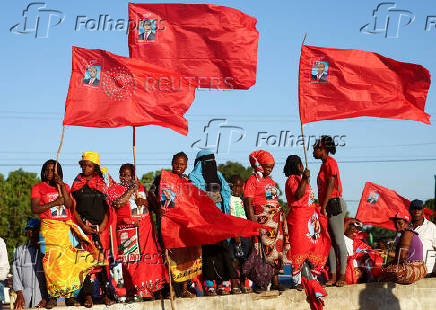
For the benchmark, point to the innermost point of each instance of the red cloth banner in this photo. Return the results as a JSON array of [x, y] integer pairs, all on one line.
[[191, 218], [107, 90], [378, 204], [347, 83], [214, 45]]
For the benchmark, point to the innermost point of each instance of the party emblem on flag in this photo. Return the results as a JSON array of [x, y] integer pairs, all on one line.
[[128, 247], [118, 83], [147, 29], [92, 74], [373, 198], [314, 228], [167, 197], [319, 71]]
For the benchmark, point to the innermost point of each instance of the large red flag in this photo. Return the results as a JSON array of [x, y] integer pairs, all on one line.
[[191, 218], [346, 83], [107, 90], [378, 204], [215, 45]]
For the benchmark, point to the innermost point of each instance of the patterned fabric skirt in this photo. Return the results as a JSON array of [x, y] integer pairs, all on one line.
[[65, 266], [185, 263], [275, 240], [144, 270], [404, 273]]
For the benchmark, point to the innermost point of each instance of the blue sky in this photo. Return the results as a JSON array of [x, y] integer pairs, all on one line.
[[400, 155]]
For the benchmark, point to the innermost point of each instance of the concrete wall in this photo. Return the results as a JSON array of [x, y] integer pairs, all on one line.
[[372, 296]]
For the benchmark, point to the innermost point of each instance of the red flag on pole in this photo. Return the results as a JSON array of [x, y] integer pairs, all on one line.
[[191, 218], [346, 83], [215, 45], [107, 90], [378, 204]]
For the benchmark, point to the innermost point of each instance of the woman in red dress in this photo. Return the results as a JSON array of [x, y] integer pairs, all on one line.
[[264, 208], [144, 270]]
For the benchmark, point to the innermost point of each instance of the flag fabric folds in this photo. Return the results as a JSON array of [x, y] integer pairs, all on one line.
[[346, 83], [191, 218], [378, 204], [107, 90], [214, 45]]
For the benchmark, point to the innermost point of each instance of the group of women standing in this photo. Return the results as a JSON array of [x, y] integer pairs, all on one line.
[[98, 220]]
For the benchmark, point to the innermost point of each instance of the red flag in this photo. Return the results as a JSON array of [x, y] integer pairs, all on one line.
[[191, 218], [107, 90], [378, 204], [216, 45], [339, 83]]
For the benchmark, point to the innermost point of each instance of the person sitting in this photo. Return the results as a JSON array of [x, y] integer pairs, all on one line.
[[408, 265], [427, 233], [28, 279], [361, 259]]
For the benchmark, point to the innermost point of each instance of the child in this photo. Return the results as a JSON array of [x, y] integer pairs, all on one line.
[[240, 246]]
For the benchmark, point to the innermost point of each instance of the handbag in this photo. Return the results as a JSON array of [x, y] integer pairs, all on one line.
[[257, 269]]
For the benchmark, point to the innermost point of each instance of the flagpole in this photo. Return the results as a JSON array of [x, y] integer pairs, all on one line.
[[167, 256], [301, 124], [57, 158], [134, 149]]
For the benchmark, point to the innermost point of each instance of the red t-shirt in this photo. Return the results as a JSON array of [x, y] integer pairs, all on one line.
[[46, 194], [262, 192], [327, 170], [130, 211], [291, 187]]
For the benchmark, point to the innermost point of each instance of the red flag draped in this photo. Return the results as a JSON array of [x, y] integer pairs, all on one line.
[[215, 45], [309, 238], [346, 83], [191, 218], [107, 90], [378, 204]]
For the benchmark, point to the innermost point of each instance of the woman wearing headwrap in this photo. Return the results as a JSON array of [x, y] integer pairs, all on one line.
[[264, 208], [144, 270], [217, 262], [64, 265], [94, 190]]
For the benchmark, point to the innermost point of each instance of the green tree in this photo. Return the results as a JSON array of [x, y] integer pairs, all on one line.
[[15, 207], [148, 178]]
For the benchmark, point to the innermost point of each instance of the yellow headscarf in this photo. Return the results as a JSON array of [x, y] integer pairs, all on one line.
[[94, 158]]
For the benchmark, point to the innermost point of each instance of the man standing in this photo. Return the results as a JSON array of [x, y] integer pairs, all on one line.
[[320, 76], [28, 274], [148, 34], [427, 234]]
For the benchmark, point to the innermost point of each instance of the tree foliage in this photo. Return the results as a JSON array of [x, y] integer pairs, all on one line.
[[15, 207]]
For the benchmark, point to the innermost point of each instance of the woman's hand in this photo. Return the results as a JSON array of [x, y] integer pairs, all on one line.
[[306, 174], [89, 230], [141, 202], [58, 180], [60, 201]]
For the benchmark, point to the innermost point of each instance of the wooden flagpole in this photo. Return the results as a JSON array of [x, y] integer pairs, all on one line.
[[57, 158], [301, 124], [134, 150]]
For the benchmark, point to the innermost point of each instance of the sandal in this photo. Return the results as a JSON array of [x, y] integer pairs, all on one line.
[[88, 302], [236, 291], [246, 290], [279, 287], [211, 291], [341, 283], [107, 301], [51, 303], [222, 292], [299, 287], [71, 302]]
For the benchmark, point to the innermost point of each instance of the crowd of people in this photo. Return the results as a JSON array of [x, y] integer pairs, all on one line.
[[84, 231]]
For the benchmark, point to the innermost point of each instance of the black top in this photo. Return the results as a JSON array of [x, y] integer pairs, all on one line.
[[91, 204]]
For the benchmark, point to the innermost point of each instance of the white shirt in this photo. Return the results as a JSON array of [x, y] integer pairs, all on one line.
[[4, 263], [427, 234], [349, 244]]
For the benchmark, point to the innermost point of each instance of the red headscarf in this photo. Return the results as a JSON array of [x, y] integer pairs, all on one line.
[[259, 158]]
